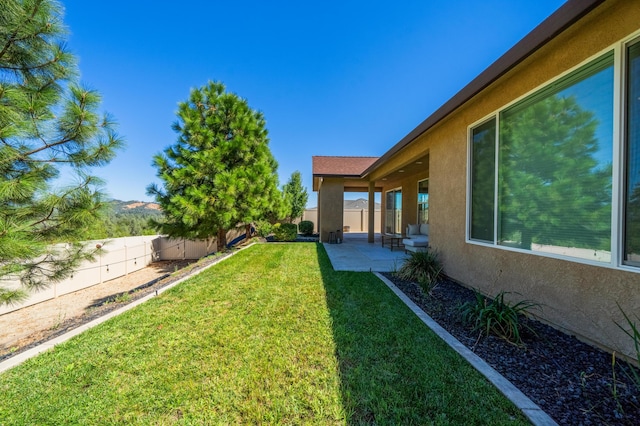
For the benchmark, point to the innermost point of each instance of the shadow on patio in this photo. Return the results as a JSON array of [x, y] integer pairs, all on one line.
[[357, 254]]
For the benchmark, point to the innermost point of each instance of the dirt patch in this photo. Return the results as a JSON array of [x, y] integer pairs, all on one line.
[[27, 327]]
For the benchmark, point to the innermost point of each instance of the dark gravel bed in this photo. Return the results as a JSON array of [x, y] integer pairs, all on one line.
[[571, 381]]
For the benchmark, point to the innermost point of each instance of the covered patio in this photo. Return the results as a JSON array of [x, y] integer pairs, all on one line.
[[401, 180], [358, 255]]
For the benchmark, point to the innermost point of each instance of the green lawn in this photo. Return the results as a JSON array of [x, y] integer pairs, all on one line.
[[270, 336]]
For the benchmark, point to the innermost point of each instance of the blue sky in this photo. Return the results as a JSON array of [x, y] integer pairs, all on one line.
[[331, 78]]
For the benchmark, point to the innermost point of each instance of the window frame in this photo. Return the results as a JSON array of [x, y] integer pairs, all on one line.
[[623, 148], [395, 209], [495, 118], [619, 50]]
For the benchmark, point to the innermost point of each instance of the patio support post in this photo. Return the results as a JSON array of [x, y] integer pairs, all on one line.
[[372, 211], [319, 211], [331, 200]]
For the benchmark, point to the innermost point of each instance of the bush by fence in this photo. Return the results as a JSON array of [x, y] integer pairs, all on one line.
[[285, 231], [306, 227]]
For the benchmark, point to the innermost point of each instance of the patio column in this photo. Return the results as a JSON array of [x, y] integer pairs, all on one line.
[[319, 209], [331, 200], [372, 212]]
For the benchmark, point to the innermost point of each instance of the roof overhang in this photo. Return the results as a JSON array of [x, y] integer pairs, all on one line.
[[348, 168]]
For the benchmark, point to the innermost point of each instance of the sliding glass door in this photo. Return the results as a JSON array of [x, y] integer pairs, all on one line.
[[393, 212]]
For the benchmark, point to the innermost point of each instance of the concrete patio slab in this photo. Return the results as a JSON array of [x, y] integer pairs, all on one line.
[[357, 254]]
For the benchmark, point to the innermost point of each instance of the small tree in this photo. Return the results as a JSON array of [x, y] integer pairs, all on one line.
[[46, 120], [220, 172], [295, 196]]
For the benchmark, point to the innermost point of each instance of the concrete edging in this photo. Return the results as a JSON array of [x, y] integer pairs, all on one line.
[[23, 356], [531, 410]]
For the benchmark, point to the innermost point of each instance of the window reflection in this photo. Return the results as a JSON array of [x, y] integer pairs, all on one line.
[[423, 201], [483, 174], [393, 212], [555, 167], [632, 190]]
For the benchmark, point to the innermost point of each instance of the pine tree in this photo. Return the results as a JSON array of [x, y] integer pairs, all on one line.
[[46, 120], [220, 173], [296, 196]]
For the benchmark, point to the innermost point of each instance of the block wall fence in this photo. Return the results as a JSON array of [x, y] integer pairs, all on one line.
[[119, 257]]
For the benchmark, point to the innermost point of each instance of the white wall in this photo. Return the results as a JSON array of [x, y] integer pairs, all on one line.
[[119, 257]]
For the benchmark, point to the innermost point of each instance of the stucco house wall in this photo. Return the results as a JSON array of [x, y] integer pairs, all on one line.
[[576, 297]]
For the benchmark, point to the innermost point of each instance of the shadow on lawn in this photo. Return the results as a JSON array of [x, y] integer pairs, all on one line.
[[392, 370]]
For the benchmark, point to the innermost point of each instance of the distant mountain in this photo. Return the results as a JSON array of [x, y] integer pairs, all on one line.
[[143, 207], [359, 204], [135, 207]]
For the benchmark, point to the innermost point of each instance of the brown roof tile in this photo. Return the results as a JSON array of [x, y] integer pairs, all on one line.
[[340, 166]]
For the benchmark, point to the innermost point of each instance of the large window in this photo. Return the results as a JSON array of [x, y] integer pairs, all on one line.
[[423, 201], [393, 212], [551, 188], [483, 171], [632, 187]]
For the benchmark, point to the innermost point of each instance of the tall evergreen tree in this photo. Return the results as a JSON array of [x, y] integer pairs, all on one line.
[[220, 173], [295, 196], [46, 120]]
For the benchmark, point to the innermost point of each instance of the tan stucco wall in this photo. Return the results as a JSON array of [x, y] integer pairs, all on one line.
[[311, 215], [576, 297], [331, 198], [357, 220]]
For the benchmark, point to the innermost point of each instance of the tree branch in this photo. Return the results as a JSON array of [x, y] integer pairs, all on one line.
[[13, 38]]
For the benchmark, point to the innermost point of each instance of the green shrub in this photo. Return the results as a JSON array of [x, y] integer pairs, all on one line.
[[634, 333], [264, 228], [306, 227], [422, 267], [285, 231], [497, 316]]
